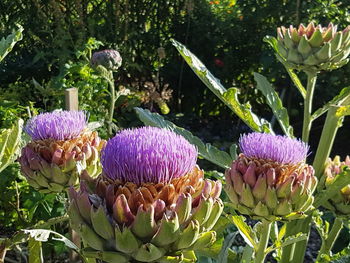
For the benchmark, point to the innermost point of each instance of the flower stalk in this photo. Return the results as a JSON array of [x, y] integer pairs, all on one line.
[[260, 254], [113, 100], [311, 81]]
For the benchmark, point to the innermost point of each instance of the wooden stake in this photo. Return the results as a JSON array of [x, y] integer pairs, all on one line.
[[72, 102]]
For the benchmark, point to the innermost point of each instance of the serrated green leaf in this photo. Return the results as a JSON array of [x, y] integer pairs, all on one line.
[[35, 251], [207, 151], [10, 140], [229, 97], [340, 181], [243, 111], [7, 44], [275, 103], [245, 230], [337, 100]]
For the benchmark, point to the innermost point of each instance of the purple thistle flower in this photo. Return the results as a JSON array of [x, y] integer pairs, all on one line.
[[281, 149], [57, 125], [147, 154]]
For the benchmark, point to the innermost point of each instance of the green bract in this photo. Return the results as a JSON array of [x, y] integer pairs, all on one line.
[[163, 222], [312, 48]]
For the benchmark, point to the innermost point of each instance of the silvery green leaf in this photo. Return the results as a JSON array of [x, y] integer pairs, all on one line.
[[229, 97], [10, 140], [7, 44], [275, 103]]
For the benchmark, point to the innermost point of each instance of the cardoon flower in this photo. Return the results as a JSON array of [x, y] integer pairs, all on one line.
[[62, 148], [312, 47], [150, 203], [340, 202], [108, 58], [270, 178]]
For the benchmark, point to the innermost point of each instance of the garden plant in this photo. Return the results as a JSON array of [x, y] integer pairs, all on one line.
[[141, 194]]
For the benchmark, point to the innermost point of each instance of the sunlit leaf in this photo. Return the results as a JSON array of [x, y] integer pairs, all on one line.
[[244, 112], [229, 97], [275, 103], [7, 44], [10, 140], [207, 151], [35, 251], [245, 230], [337, 100]]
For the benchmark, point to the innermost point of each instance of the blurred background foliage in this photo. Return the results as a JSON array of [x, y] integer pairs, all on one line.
[[227, 35]]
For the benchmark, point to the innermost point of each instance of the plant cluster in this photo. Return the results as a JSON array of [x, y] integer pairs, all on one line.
[[141, 197]]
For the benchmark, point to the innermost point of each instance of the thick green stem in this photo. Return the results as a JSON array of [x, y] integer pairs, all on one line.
[[260, 253], [112, 104], [330, 128], [332, 237], [311, 81]]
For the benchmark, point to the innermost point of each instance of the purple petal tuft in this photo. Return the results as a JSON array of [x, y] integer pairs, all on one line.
[[148, 154], [277, 148], [58, 125]]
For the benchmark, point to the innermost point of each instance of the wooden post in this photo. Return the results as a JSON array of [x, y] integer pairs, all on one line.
[[72, 103]]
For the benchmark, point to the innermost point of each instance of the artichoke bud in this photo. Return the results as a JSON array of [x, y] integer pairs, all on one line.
[[276, 181], [312, 48], [60, 150], [157, 210], [340, 202], [110, 59]]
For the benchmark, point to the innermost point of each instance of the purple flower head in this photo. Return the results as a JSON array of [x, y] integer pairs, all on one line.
[[147, 155], [57, 125], [277, 148], [108, 58]]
